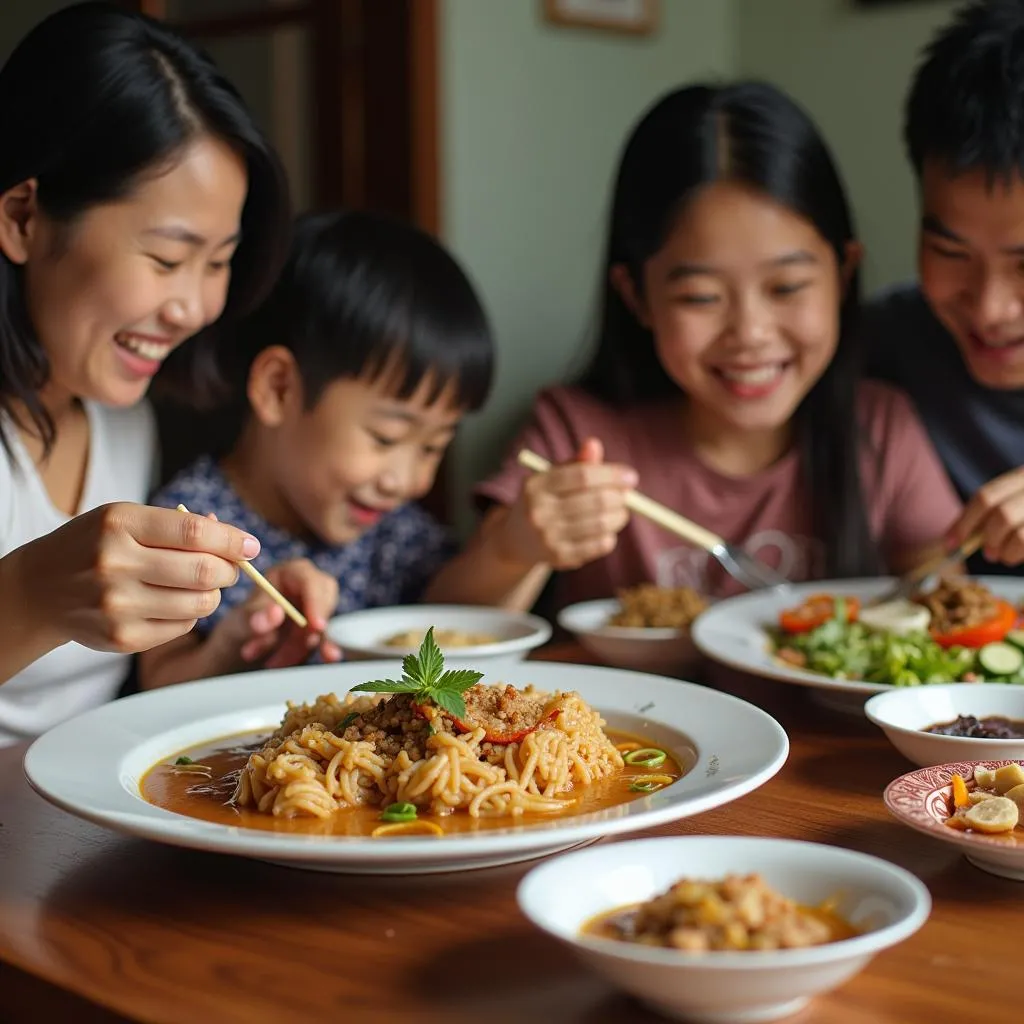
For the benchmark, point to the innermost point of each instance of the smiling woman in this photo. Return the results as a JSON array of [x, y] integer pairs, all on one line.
[[138, 203]]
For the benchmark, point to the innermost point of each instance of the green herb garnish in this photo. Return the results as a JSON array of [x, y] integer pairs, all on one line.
[[184, 760], [399, 812], [644, 787], [424, 676]]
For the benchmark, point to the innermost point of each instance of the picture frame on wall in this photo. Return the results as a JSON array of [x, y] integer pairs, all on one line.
[[633, 17]]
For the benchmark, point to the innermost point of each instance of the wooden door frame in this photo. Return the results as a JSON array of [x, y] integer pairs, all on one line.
[[356, 62]]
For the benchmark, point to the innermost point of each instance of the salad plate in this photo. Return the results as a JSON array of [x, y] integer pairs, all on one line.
[[845, 658]]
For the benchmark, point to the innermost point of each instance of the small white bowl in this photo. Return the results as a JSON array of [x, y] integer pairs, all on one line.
[[362, 635], [903, 714], [659, 650], [887, 903]]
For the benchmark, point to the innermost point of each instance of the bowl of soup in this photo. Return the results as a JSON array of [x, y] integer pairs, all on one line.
[[485, 637], [645, 628], [945, 722], [727, 929]]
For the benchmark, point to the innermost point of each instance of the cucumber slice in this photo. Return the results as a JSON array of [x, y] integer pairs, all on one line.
[[1001, 659], [1015, 637]]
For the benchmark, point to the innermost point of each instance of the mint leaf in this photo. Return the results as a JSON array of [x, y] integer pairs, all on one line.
[[389, 686], [458, 679], [450, 701], [424, 677], [431, 660]]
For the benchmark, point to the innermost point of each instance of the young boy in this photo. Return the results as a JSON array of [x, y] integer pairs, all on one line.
[[955, 341], [355, 374]]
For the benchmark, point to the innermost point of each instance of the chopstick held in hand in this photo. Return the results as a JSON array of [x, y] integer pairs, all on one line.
[[268, 588]]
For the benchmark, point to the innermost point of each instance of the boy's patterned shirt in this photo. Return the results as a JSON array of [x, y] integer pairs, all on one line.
[[390, 564]]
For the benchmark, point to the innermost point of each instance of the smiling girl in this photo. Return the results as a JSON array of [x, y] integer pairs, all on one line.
[[138, 202], [724, 382]]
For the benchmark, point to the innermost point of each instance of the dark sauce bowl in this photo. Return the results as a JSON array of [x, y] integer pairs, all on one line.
[[945, 722]]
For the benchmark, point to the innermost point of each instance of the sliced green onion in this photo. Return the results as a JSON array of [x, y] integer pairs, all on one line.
[[399, 812], [184, 760], [647, 757], [644, 787]]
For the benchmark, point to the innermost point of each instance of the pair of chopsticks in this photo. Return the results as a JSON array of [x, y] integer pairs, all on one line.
[[908, 583], [648, 507], [268, 588]]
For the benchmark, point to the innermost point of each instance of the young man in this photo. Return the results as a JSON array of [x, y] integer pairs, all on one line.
[[955, 341]]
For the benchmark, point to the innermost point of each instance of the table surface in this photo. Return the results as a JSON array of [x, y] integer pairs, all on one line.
[[96, 927]]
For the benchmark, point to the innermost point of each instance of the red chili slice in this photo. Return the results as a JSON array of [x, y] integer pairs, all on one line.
[[493, 735]]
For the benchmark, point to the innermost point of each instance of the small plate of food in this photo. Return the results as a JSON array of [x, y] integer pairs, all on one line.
[[468, 633], [724, 929], [829, 636], [646, 628], [947, 722], [411, 767], [977, 806]]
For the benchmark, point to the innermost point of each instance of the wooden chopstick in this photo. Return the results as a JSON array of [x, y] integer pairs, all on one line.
[[922, 572], [648, 507], [268, 588]]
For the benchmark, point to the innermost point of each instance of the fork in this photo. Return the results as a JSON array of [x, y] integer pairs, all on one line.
[[908, 583], [742, 567]]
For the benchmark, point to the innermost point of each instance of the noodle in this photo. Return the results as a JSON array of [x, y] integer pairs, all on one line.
[[334, 754]]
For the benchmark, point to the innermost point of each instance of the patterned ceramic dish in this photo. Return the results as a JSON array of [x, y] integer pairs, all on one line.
[[924, 800]]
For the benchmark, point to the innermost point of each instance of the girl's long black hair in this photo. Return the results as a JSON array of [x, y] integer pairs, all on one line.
[[753, 134]]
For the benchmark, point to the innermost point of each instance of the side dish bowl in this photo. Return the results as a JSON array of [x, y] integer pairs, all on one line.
[[885, 903], [904, 714], [640, 648], [923, 800], [510, 635]]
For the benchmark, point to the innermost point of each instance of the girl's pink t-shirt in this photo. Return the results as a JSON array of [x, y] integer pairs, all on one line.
[[910, 501]]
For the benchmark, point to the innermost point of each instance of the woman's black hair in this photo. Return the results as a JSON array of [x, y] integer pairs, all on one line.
[[92, 100], [362, 293], [753, 134]]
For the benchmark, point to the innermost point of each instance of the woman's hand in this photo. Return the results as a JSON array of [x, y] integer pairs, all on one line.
[[997, 512], [259, 630], [570, 515], [124, 577]]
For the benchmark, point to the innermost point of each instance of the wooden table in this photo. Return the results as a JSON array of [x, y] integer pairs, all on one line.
[[97, 928]]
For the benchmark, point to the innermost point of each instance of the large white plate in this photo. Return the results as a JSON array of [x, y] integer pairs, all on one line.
[[92, 766], [735, 631]]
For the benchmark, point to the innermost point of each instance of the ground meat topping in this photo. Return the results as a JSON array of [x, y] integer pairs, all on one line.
[[505, 711], [652, 607], [739, 912], [959, 603]]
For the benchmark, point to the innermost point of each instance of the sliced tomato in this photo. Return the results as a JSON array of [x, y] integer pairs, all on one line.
[[815, 611], [494, 735], [984, 633]]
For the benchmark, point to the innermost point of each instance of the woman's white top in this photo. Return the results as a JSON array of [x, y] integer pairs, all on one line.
[[121, 466]]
